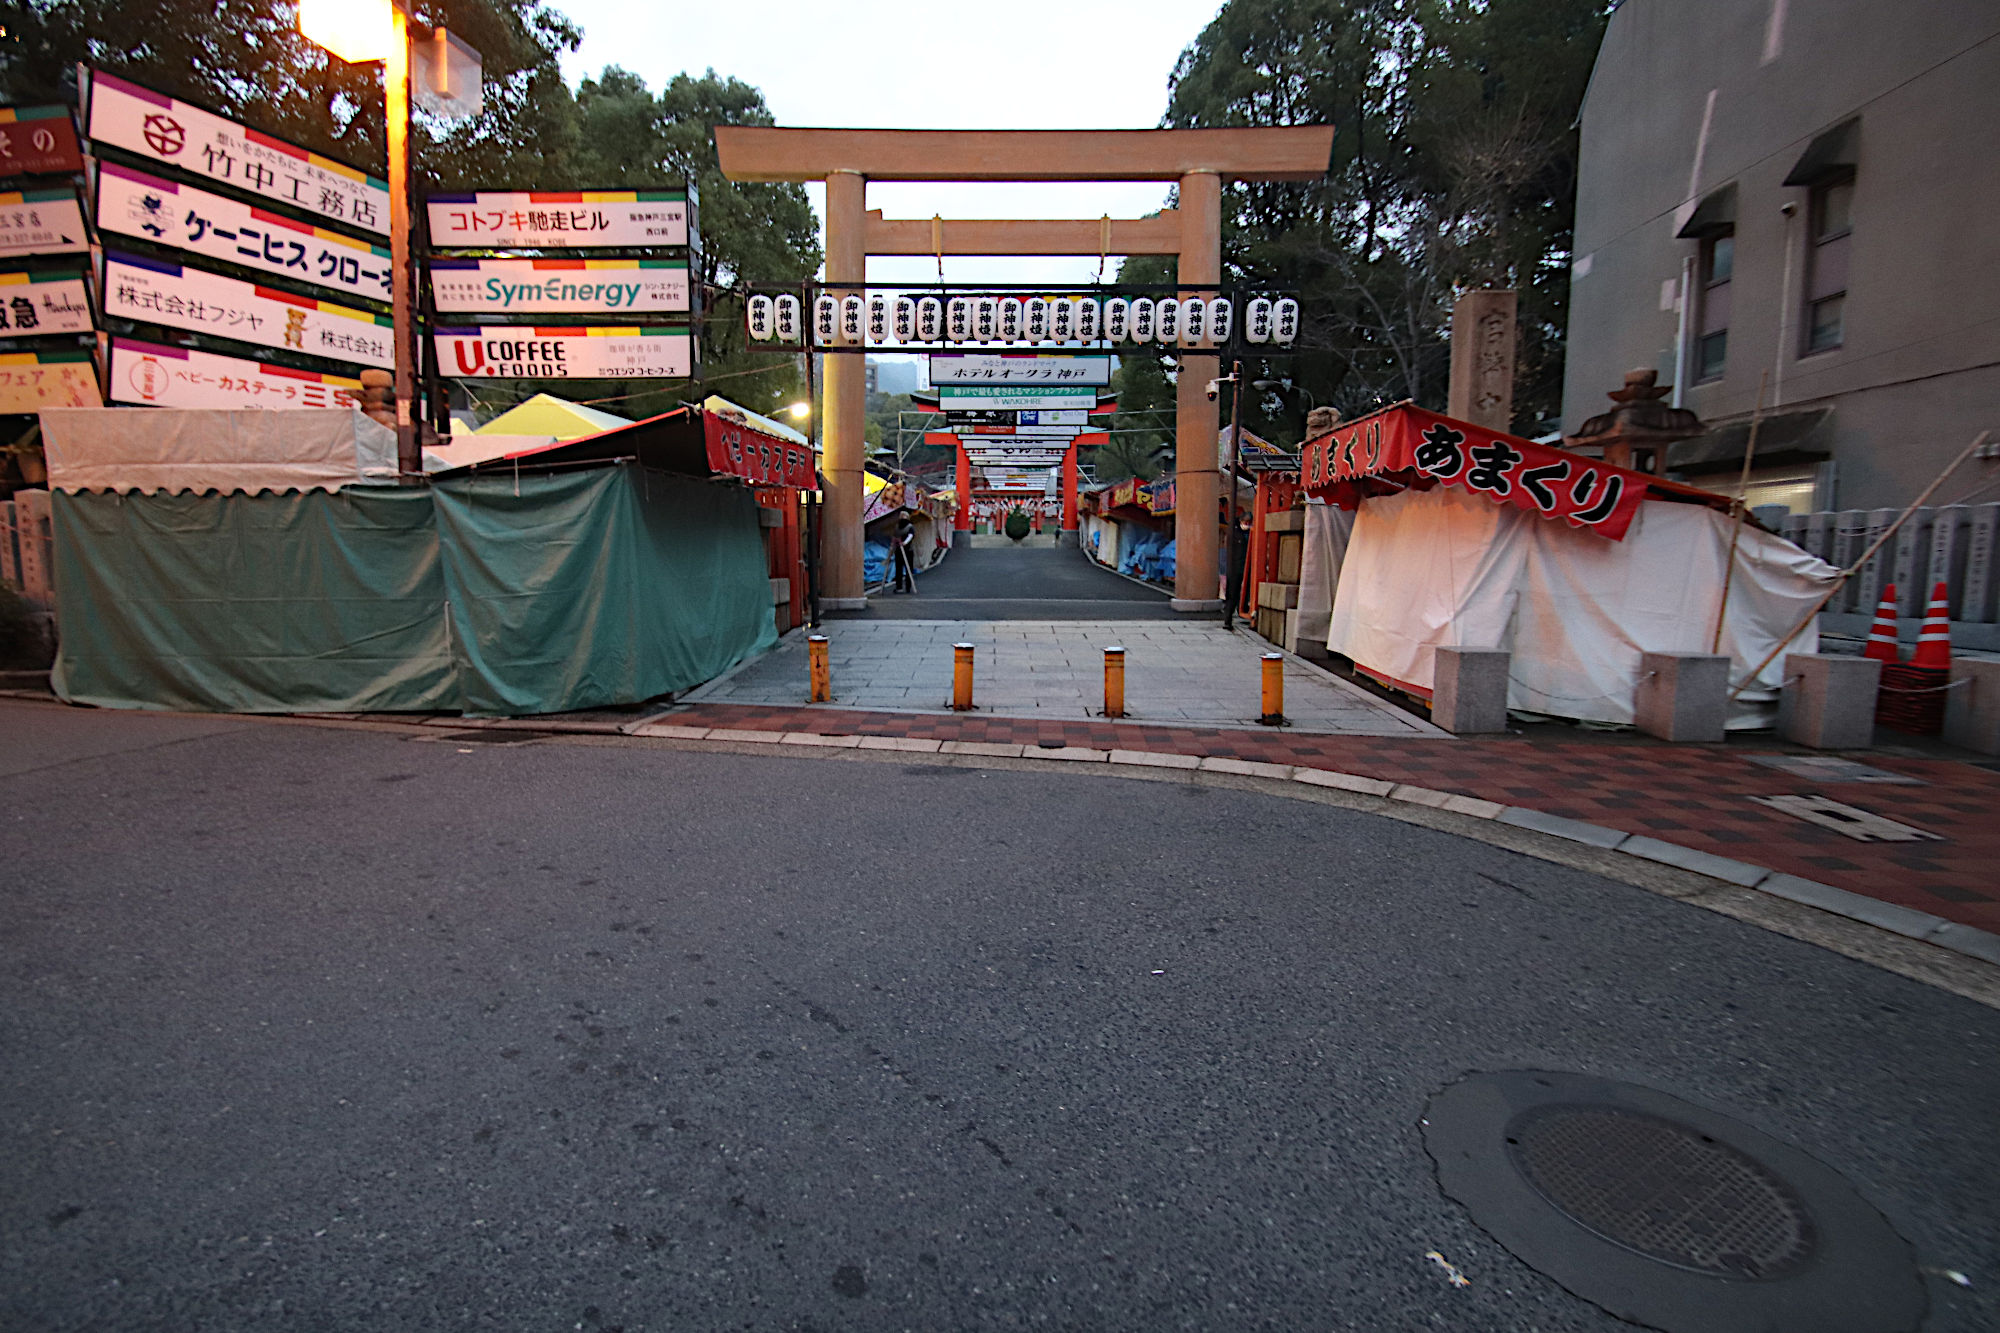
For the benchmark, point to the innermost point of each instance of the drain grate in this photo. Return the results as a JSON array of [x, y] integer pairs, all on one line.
[[1662, 1189]]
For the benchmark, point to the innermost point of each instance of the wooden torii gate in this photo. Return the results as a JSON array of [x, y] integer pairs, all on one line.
[[1198, 161]]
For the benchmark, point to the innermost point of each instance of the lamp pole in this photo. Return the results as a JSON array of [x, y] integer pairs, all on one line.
[[396, 98], [1230, 594]]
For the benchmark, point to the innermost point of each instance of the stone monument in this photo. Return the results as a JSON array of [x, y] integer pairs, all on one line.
[[1482, 358]]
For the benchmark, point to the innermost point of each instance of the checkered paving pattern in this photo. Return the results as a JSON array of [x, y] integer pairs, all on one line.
[[1695, 796]]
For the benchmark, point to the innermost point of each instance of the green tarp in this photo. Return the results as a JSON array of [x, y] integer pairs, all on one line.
[[481, 595]]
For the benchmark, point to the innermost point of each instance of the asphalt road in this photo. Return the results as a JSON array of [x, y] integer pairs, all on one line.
[[1034, 579], [307, 1028]]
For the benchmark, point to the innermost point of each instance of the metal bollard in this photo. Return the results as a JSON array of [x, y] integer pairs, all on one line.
[[1274, 690], [961, 677], [1114, 682], [822, 674]]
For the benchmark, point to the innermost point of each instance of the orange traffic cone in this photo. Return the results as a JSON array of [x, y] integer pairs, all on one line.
[[1882, 635], [1934, 639]]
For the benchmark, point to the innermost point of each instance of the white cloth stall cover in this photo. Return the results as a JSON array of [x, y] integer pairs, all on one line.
[[1324, 548], [1431, 568], [151, 449], [1105, 532]]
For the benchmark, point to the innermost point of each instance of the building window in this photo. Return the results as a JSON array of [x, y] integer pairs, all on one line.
[[1711, 348], [1830, 216]]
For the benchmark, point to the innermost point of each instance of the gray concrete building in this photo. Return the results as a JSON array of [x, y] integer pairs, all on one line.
[[1808, 192]]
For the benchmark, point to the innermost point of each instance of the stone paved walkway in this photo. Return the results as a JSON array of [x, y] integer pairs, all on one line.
[[1177, 672]]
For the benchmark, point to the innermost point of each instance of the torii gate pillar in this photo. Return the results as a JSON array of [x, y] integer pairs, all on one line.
[[963, 522], [1197, 477], [845, 423]]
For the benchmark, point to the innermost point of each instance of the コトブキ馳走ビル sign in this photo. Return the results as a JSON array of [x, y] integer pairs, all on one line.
[[567, 219]]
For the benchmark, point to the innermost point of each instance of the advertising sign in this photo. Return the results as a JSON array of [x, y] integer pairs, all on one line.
[[737, 450], [32, 304], [42, 222], [559, 286], [955, 398], [38, 141], [154, 376], [131, 203], [201, 143], [1015, 459], [31, 381], [528, 352], [1018, 368], [558, 219], [190, 298]]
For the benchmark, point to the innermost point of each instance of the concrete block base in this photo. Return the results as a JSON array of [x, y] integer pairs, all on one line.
[[1972, 709], [961, 537], [843, 603], [1068, 537], [1195, 605], [1682, 696], [1828, 701], [1469, 690]]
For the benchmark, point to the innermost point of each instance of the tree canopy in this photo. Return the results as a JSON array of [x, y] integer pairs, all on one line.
[[1454, 167]]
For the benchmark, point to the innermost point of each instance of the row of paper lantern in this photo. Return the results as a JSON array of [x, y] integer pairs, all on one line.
[[876, 319]]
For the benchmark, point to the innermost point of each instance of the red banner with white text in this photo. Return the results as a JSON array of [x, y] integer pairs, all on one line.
[[737, 451]]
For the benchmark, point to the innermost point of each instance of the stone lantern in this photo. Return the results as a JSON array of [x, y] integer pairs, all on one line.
[[1639, 426]]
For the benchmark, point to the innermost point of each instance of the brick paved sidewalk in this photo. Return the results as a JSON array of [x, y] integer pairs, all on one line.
[[1695, 796]]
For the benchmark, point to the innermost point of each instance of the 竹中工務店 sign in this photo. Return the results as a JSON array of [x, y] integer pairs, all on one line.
[[1018, 368], [1554, 483], [559, 286], [132, 203], [150, 375], [31, 381], [201, 143], [32, 304], [566, 219], [42, 222], [955, 398], [151, 292], [38, 141], [530, 352]]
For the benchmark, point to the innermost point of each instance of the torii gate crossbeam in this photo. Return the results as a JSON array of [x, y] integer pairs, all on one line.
[[1198, 161]]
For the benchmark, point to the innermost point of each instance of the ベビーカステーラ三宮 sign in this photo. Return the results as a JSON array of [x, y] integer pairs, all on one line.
[[155, 376]]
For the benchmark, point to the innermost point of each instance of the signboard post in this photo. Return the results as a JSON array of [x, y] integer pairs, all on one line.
[[31, 381], [34, 304], [42, 222], [559, 286], [38, 141], [1019, 368]]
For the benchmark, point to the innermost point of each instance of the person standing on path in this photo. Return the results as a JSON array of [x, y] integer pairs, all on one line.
[[905, 554]]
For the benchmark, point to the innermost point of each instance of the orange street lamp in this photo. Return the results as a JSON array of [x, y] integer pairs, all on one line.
[[361, 31]]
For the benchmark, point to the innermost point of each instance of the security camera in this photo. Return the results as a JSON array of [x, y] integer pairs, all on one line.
[[1214, 390]]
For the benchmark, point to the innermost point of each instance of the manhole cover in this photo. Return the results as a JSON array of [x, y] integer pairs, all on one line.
[[1662, 1189], [1666, 1213]]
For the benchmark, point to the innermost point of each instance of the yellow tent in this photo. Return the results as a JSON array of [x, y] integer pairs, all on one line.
[[545, 414]]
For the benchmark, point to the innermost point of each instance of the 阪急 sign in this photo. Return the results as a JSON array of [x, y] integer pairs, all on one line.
[[32, 304]]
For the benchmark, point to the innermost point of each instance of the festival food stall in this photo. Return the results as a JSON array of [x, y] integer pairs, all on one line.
[[267, 562], [1467, 537]]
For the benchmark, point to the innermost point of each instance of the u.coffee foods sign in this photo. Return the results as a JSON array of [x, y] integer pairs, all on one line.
[[527, 352]]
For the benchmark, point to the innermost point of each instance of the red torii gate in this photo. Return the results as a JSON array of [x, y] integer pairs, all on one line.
[[1197, 161]]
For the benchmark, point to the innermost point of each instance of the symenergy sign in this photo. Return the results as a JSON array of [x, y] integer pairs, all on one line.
[[559, 286]]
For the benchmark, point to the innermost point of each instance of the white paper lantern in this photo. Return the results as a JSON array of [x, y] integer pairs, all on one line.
[[1167, 321], [1117, 319], [1087, 312], [958, 319], [853, 318], [1285, 320], [930, 320], [1257, 320], [1142, 320], [785, 318], [1194, 319], [759, 316], [906, 319], [878, 317], [1011, 317], [1037, 319], [826, 318], [1221, 316], [986, 319], [1062, 319]]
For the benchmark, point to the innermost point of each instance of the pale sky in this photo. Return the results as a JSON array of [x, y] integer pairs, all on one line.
[[1010, 64]]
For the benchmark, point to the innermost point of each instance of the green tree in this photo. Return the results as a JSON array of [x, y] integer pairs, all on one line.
[[1454, 167]]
